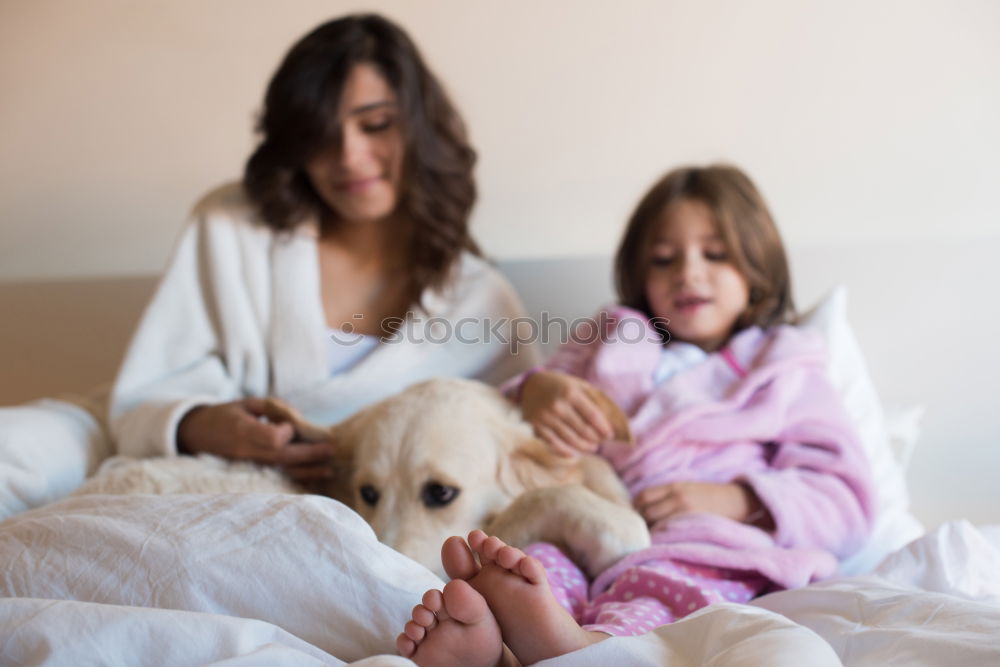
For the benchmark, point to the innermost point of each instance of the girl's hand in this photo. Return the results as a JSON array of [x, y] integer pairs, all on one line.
[[734, 501], [564, 412], [235, 431]]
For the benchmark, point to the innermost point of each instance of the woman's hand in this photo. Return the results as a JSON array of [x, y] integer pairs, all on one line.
[[564, 412], [236, 431], [735, 501]]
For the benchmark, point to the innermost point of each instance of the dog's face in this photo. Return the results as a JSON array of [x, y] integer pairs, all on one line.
[[439, 459]]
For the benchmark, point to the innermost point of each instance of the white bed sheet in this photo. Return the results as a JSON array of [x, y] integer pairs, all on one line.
[[274, 579]]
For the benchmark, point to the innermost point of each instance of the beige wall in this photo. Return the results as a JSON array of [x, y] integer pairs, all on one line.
[[860, 119], [865, 122]]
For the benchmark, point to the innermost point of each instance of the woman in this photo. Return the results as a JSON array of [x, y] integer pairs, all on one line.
[[330, 277]]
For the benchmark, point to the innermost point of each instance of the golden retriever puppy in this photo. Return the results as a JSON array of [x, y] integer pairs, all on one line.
[[447, 456], [441, 458]]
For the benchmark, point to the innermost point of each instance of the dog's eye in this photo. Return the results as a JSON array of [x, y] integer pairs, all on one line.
[[369, 494], [438, 495]]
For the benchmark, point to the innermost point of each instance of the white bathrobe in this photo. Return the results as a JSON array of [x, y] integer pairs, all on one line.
[[239, 313]]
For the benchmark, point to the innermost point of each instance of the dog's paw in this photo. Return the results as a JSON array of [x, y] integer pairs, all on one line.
[[607, 540]]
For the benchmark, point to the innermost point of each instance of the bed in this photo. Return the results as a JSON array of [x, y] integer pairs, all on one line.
[[258, 579], [255, 579]]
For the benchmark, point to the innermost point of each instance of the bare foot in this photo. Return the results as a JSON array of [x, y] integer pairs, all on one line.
[[533, 623], [452, 628]]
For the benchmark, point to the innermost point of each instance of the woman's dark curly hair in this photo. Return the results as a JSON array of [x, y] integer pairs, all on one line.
[[299, 121], [745, 224]]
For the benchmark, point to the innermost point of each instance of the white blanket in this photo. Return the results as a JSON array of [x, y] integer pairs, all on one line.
[[935, 602], [275, 579]]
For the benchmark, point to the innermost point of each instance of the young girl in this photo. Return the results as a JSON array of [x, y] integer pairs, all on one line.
[[745, 465]]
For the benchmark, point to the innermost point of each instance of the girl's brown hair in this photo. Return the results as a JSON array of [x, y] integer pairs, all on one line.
[[299, 120], [745, 224]]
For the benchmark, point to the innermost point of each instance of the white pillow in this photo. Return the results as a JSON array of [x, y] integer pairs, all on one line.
[[894, 526], [903, 427]]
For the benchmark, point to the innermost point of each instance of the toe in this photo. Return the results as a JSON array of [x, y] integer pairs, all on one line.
[[532, 569], [508, 557], [414, 631], [457, 559], [423, 616], [464, 603], [476, 538], [490, 547], [432, 600], [405, 646]]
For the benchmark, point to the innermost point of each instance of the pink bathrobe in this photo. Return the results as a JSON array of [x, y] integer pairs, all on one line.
[[761, 410]]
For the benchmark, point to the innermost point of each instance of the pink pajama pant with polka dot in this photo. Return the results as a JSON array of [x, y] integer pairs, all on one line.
[[644, 597]]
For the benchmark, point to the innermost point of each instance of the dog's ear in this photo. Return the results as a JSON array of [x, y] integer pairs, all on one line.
[[531, 464], [619, 422], [276, 410], [344, 437]]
